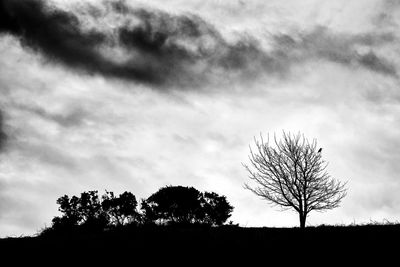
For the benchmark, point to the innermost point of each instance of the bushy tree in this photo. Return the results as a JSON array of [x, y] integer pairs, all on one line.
[[122, 209], [91, 212], [175, 204], [148, 215], [185, 205], [216, 208], [71, 214], [169, 205]]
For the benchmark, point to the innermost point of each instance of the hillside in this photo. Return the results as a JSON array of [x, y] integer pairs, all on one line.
[[191, 245]]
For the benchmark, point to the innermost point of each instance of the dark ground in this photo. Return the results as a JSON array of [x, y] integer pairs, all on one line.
[[323, 246]]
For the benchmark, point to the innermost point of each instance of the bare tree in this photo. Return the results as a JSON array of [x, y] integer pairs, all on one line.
[[292, 174]]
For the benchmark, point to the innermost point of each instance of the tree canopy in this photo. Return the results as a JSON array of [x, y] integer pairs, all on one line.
[[169, 205], [291, 173], [178, 204], [92, 211]]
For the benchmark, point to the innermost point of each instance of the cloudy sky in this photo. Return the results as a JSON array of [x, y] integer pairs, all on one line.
[[135, 95]]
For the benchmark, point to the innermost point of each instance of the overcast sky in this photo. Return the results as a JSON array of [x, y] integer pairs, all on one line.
[[137, 95]]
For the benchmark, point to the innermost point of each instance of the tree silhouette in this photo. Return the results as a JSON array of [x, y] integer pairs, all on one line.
[[175, 204], [91, 212], [149, 215], [89, 205], [216, 208], [169, 205], [291, 173], [185, 205], [71, 214], [122, 209]]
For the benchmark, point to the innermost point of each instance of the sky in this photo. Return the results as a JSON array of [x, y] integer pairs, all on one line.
[[136, 95]]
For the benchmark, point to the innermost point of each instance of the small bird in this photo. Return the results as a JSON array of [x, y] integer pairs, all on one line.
[[319, 150]]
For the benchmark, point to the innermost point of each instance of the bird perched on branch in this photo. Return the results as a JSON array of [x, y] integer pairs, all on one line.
[[320, 150]]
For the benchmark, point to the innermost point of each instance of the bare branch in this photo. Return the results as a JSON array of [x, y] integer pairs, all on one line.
[[291, 173]]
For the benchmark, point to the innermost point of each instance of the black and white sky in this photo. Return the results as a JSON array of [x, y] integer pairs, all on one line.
[[137, 94]]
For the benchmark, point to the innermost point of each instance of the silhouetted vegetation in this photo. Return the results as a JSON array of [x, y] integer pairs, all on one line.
[[169, 205], [121, 210], [174, 226], [174, 204], [291, 173], [186, 205], [91, 212]]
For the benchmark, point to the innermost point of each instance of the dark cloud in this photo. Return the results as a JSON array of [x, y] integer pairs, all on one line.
[[3, 136], [71, 118], [58, 35], [47, 154], [165, 50], [320, 43], [373, 62], [158, 48]]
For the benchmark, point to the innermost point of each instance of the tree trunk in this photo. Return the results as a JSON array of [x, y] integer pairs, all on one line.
[[303, 218]]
